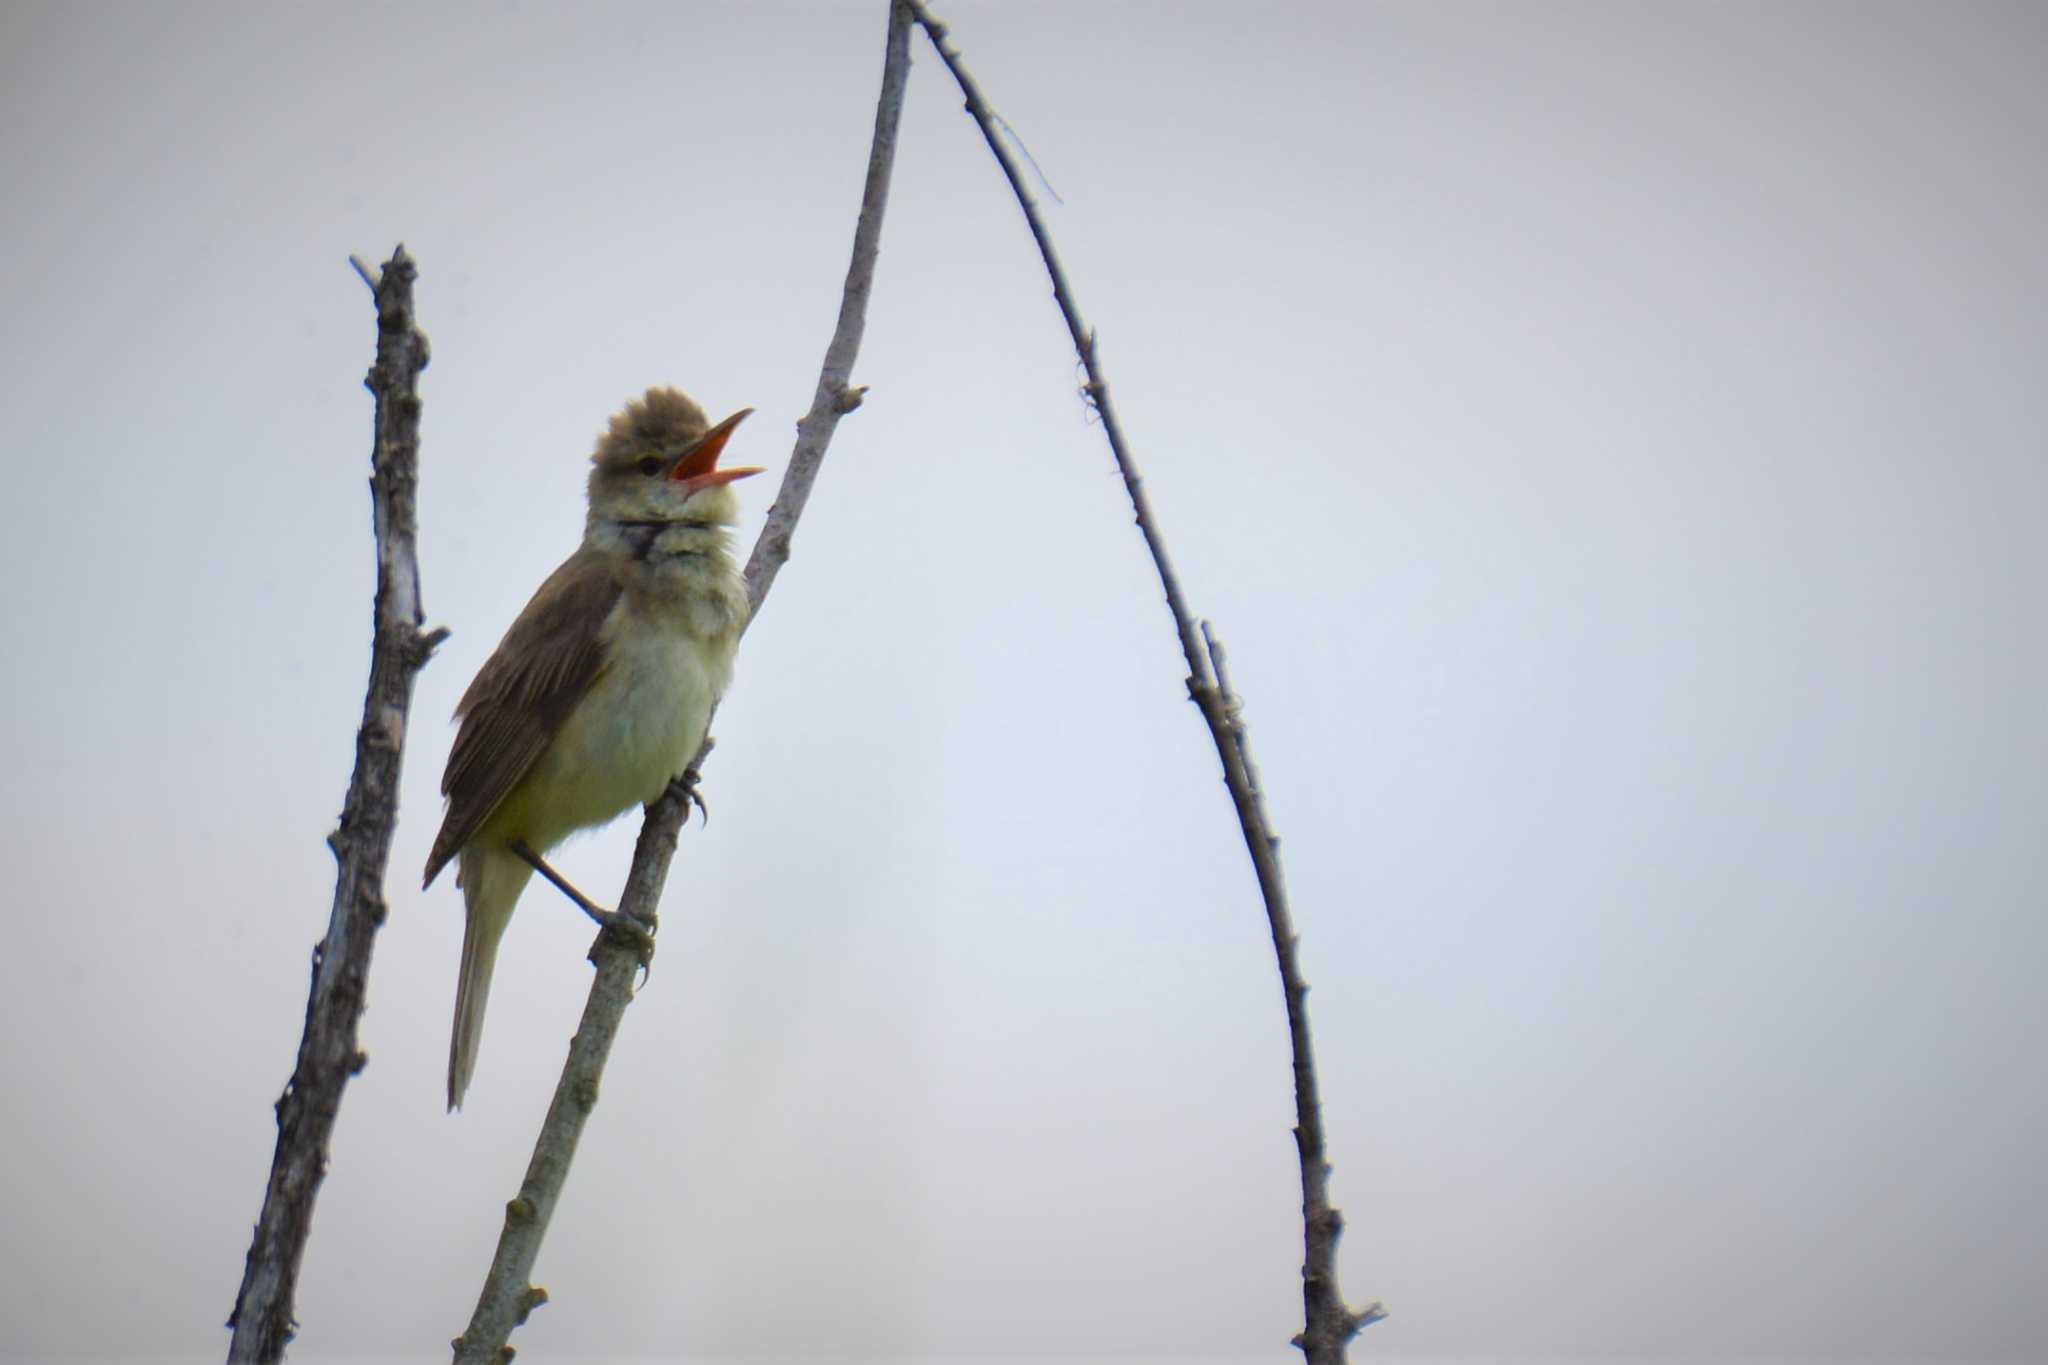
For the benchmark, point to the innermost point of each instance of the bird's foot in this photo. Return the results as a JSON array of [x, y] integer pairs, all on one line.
[[634, 933], [684, 787], [630, 932]]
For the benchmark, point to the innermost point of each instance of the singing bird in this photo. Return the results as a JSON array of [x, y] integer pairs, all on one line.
[[599, 694]]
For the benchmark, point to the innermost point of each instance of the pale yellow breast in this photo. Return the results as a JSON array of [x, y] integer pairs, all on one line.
[[633, 731]]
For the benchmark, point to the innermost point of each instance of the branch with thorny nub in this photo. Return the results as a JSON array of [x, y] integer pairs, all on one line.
[[508, 1295], [1329, 1324], [262, 1321]]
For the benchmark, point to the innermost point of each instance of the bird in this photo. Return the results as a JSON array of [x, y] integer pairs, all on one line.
[[602, 690]]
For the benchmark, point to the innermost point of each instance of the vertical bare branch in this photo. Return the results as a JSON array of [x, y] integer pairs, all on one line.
[[1329, 1324], [262, 1320], [835, 396], [508, 1293]]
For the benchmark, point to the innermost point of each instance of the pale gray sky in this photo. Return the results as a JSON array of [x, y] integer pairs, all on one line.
[[1609, 438]]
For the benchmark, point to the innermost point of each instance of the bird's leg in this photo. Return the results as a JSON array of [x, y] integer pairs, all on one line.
[[685, 788], [625, 926]]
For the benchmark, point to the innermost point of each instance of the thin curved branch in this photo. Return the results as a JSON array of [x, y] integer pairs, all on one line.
[[508, 1294], [262, 1320], [1329, 1324]]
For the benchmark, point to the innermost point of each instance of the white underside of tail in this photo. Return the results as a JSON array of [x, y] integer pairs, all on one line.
[[491, 880]]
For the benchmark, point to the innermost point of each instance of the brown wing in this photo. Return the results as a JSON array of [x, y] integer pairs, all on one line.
[[525, 690]]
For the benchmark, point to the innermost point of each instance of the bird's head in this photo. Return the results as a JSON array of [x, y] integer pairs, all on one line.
[[657, 462]]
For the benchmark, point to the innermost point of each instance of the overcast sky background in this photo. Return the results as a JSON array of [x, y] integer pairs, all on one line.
[[1609, 438]]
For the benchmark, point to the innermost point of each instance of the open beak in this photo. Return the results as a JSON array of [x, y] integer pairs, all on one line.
[[697, 469]]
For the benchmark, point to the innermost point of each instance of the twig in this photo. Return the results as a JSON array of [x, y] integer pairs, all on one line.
[[1329, 1324], [508, 1294], [834, 396], [262, 1320], [1025, 147]]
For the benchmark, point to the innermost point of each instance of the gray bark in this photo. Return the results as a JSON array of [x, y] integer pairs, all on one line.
[[1329, 1324], [262, 1320]]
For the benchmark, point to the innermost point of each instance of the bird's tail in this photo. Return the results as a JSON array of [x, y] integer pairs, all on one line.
[[491, 880]]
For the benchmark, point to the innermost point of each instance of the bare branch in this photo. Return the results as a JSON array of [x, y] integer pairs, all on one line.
[[262, 1320], [835, 396], [1329, 1324], [508, 1295]]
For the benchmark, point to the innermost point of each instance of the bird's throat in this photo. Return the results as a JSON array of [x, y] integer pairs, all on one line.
[[653, 540]]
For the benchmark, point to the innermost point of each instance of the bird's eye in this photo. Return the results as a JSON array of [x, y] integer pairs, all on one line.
[[650, 466]]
